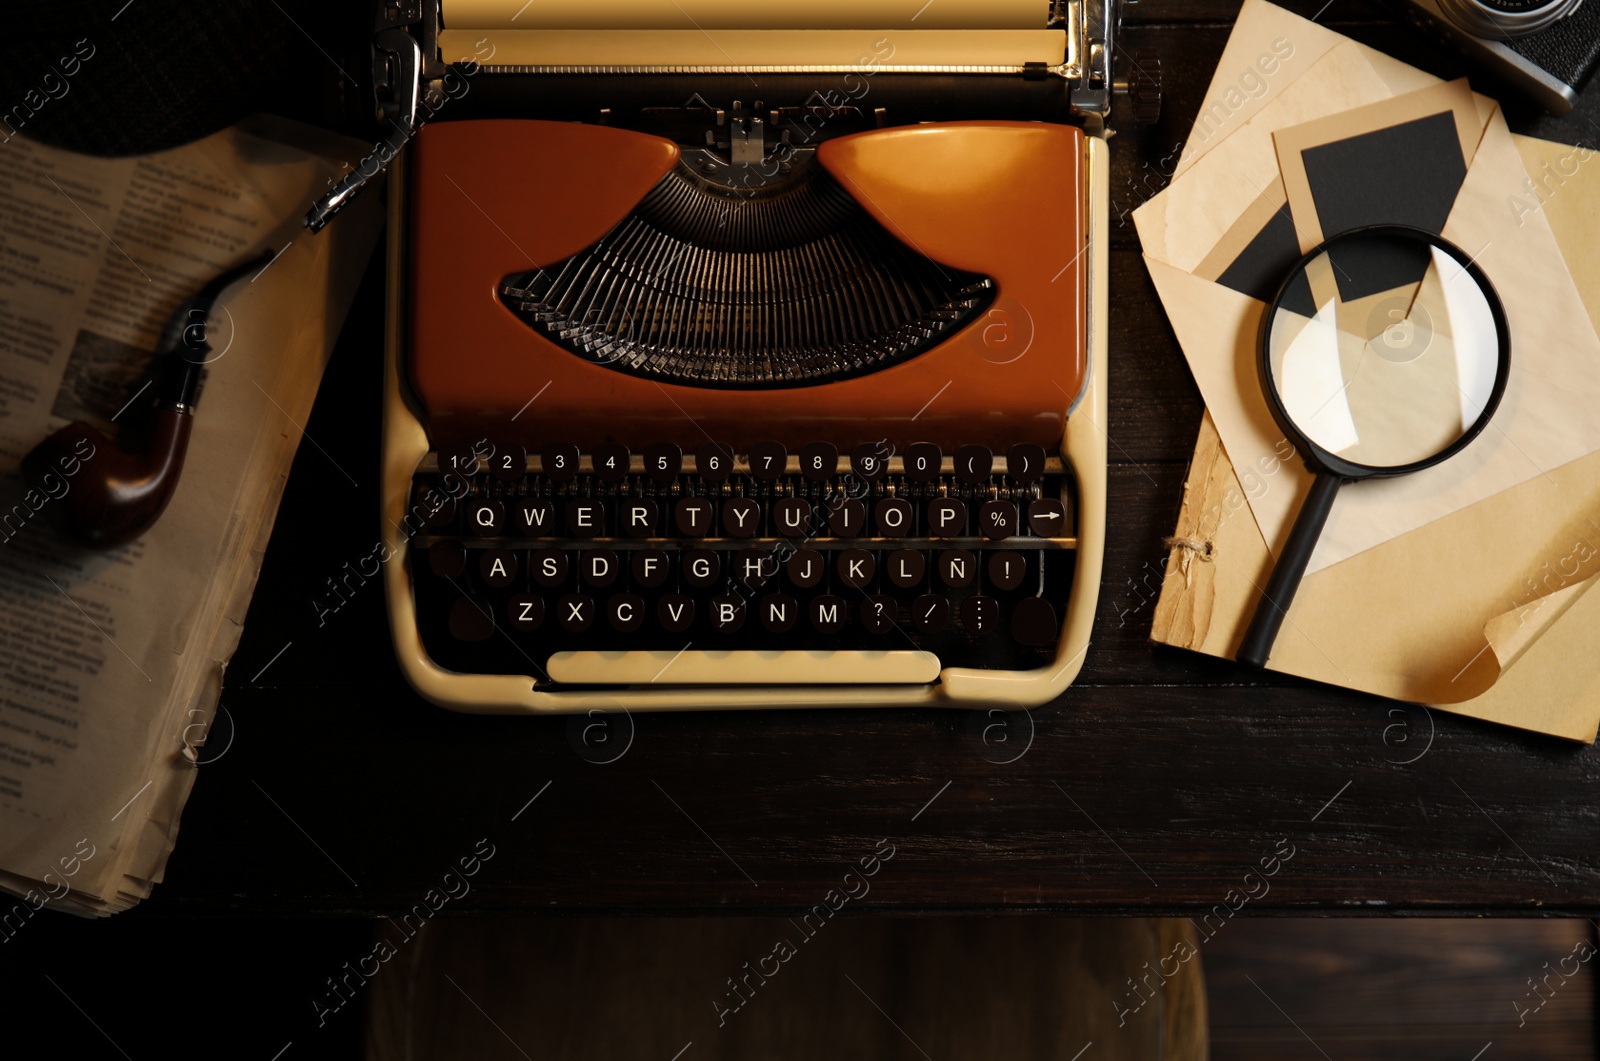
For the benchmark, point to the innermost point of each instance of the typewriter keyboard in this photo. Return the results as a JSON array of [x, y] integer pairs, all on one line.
[[519, 555]]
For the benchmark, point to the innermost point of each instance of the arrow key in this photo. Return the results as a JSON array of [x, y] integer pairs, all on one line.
[[1047, 518]]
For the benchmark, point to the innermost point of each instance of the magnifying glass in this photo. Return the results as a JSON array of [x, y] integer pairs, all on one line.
[[1384, 352]]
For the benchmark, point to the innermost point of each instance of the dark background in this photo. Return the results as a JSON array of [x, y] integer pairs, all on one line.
[[1151, 786]]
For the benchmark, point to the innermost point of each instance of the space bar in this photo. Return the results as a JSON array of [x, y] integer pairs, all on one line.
[[749, 667]]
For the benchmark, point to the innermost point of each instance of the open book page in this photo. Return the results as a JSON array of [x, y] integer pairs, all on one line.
[[112, 661]]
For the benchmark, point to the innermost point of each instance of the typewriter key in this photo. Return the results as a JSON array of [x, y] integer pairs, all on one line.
[[847, 518], [640, 518], [498, 567], [675, 613], [560, 461], [893, 515], [461, 459], [447, 559], [768, 460], [930, 613], [878, 614], [693, 516], [575, 612], [625, 612], [611, 461], [471, 620], [650, 568], [1025, 462], [979, 615], [793, 517], [957, 568], [947, 517], [585, 518], [548, 567], [819, 460], [997, 520], [1046, 517], [536, 517], [804, 568], [437, 509], [1007, 569], [756, 566], [856, 567], [973, 464], [827, 614], [778, 612], [906, 567], [524, 611], [701, 568], [508, 462], [713, 462], [727, 613], [486, 517], [870, 461], [599, 567], [922, 462], [741, 517], [663, 461], [1034, 622]]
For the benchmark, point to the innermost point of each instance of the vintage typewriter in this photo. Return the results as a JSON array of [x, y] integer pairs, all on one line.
[[746, 355]]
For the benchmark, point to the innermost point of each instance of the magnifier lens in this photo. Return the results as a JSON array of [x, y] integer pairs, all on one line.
[[1383, 351]]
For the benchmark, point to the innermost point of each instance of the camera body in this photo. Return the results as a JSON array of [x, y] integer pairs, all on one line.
[[1544, 48]]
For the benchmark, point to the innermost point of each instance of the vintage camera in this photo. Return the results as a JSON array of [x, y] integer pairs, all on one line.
[[1544, 48]]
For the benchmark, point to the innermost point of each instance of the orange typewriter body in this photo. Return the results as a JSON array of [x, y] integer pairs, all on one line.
[[981, 196], [1018, 204]]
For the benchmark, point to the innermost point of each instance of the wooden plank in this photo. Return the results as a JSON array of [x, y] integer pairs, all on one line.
[[740, 988], [1124, 798], [1401, 989]]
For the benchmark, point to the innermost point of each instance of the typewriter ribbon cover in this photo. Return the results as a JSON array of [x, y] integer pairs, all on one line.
[[562, 291]]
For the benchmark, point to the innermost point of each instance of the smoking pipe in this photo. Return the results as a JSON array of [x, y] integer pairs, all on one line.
[[114, 495]]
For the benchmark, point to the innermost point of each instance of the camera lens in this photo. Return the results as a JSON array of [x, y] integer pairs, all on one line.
[[1499, 19]]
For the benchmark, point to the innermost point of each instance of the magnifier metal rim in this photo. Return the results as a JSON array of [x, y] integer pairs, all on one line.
[[1319, 458]]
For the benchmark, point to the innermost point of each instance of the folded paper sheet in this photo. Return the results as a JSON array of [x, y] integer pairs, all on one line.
[[1216, 235], [1505, 633], [1489, 612]]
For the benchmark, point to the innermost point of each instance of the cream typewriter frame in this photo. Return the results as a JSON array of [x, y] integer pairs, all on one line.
[[744, 679]]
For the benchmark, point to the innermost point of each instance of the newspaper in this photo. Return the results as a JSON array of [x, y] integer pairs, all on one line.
[[111, 663]]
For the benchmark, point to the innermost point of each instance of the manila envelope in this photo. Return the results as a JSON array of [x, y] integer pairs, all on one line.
[[1267, 51], [1489, 612], [1546, 418]]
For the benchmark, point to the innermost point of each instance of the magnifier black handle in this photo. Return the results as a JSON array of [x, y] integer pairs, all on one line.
[[1288, 571]]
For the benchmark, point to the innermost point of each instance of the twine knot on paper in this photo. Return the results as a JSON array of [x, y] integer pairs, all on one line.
[[1188, 549]]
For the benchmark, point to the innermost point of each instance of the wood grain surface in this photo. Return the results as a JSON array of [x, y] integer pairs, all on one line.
[[768, 987]]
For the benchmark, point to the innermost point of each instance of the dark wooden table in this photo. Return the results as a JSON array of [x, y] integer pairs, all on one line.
[[1152, 786]]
